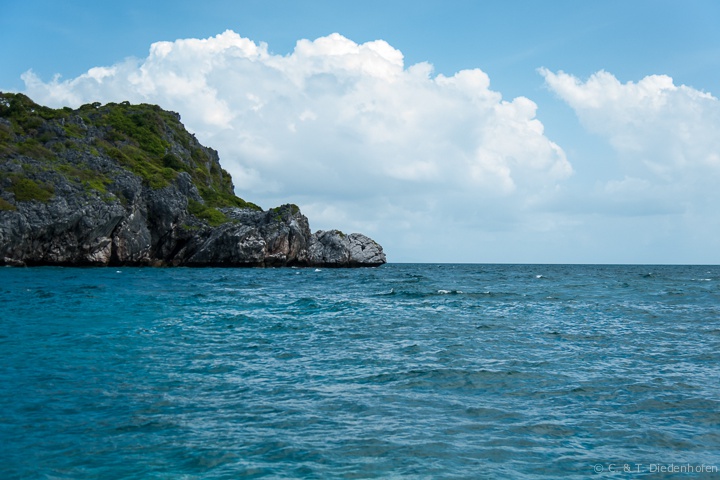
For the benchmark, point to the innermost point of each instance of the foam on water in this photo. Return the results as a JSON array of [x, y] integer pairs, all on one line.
[[404, 371]]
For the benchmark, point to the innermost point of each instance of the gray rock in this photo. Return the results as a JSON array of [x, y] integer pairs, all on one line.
[[335, 249], [74, 200], [156, 229]]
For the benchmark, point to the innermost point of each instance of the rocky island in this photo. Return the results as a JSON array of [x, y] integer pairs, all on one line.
[[123, 184]]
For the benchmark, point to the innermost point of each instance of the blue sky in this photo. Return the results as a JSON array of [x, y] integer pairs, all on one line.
[[558, 132]]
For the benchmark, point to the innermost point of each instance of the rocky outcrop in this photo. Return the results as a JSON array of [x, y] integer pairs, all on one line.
[[127, 185], [334, 248]]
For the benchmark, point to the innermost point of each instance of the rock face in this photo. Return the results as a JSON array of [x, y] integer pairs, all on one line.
[[334, 248], [126, 184]]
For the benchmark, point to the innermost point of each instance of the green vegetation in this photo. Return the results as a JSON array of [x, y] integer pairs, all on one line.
[[291, 208], [34, 149], [173, 162], [210, 214], [135, 159], [142, 125], [26, 190], [73, 130], [5, 205], [6, 133], [216, 198], [90, 179], [144, 139], [190, 228], [25, 115]]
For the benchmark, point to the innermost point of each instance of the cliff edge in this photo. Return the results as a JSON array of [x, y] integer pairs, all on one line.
[[123, 184]]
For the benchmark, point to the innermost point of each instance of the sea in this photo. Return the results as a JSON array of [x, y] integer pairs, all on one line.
[[405, 371]]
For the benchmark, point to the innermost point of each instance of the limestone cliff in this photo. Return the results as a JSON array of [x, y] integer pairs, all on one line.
[[123, 184]]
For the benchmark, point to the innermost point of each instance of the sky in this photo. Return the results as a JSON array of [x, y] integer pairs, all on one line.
[[455, 131]]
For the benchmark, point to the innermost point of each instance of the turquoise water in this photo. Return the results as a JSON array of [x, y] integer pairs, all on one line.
[[403, 371]]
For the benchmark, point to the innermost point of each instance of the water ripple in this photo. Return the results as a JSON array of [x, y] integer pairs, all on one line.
[[405, 371]]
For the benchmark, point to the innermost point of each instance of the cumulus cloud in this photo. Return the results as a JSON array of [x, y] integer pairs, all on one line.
[[661, 196], [346, 130], [663, 131]]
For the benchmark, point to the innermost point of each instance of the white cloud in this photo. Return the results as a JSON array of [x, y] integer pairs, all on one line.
[[663, 131], [344, 129], [660, 202]]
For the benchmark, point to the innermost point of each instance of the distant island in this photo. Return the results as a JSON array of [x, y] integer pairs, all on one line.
[[123, 184]]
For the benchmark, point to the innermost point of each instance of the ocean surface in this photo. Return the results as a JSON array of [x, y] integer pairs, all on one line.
[[403, 371]]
